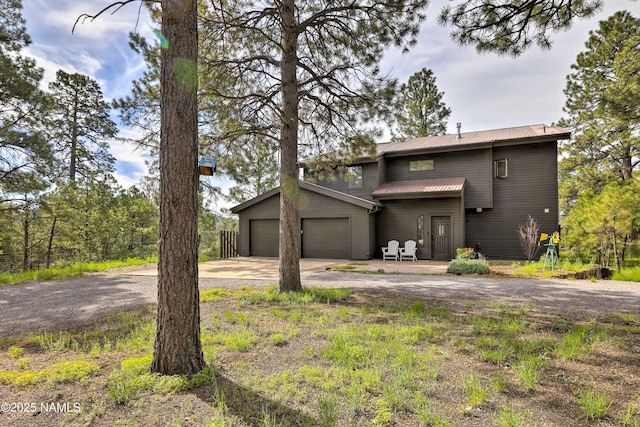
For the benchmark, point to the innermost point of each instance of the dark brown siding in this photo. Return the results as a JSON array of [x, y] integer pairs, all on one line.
[[530, 188], [399, 221], [369, 182], [267, 209], [314, 205], [475, 165]]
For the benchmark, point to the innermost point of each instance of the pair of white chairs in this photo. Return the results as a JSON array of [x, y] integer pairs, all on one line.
[[394, 251]]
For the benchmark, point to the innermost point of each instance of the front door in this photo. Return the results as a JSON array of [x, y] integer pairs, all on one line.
[[441, 237]]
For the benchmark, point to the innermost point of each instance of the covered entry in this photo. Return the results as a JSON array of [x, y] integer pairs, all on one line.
[[263, 237], [325, 238], [430, 212]]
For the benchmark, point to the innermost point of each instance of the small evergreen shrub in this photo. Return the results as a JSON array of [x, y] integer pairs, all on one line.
[[468, 266]]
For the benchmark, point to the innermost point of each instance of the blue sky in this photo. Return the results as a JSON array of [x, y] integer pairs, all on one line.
[[484, 91]]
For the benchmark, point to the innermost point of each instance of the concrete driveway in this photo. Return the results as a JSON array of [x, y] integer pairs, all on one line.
[[71, 303], [267, 268]]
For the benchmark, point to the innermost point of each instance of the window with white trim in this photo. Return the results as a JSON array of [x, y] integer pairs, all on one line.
[[501, 168]]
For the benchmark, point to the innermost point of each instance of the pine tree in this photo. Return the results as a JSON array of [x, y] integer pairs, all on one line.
[[23, 149], [603, 109], [80, 126], [419, 108], [510, 27]]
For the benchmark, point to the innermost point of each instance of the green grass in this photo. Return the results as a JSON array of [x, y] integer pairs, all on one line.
[[134, 380], [538, 269], [631, 416], [59, 372], [353, 268], [77, 269], [630, 270], [628, 274], [500, 382], [308, 295], [243, 339], [330, 357], [476, 393], [15, 352], [595, 403], [344, 268], [528, 372], [508, 417], [211, 295]]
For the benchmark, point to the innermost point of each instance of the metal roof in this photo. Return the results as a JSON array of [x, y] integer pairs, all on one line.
[[451, 142], [368, 204], [421, 188]]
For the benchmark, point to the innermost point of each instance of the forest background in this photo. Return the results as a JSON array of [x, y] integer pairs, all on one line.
[[61, 202]]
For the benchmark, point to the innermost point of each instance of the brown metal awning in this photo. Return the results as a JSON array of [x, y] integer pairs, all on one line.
[[418, 189]]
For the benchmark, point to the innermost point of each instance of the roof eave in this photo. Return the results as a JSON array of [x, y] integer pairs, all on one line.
[[477, 146], [369, 204], [437, 150], [347, 198], [257, 199], [533, 139], [427, 195]]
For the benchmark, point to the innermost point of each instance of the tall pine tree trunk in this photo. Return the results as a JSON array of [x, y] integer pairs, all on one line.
[[177, 348], [52, 233], [73, 157], [26, 222], [289, 185], [627, 164]]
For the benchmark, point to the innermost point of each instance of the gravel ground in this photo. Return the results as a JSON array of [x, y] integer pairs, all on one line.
[[67, 304]]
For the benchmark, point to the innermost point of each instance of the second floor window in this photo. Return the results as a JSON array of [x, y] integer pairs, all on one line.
[[501, 168], [420, 165], [354, 177]]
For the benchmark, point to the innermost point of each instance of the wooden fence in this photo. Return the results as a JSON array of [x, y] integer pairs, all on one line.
[[229, 243]]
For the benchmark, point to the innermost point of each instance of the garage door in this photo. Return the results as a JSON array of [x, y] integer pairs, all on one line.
[[325, 238], [263, 237]]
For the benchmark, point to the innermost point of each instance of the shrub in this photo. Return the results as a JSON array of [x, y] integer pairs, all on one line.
[[468, 266]]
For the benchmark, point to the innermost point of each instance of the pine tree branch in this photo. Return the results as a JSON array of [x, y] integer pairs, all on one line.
[[117, 5]]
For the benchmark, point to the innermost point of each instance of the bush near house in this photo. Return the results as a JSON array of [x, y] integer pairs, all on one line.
[[466, 264]]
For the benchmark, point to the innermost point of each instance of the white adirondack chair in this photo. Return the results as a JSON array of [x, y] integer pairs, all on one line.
[[409, 251], [391, 250]]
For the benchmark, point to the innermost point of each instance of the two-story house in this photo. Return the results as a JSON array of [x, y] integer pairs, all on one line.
[[444, 192]]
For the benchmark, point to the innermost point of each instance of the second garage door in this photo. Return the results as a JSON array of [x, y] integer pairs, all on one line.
[[325, 238]]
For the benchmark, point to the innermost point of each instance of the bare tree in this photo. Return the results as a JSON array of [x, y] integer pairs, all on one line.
[[529, 234]]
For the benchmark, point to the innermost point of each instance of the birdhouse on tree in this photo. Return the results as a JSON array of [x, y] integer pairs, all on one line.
[[207, 165]]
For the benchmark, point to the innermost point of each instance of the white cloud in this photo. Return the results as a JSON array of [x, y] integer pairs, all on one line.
[[489, 91], [98, 48], [61, 16]]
